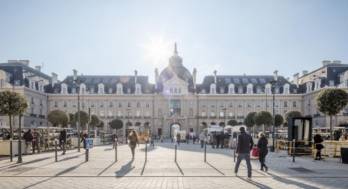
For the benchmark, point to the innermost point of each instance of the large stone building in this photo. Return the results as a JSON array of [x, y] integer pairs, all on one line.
[[174, 98]]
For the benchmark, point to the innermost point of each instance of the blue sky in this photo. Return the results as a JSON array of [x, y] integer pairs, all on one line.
[[116, 37]]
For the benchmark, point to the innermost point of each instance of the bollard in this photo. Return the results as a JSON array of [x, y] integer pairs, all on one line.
[[55, 151], [293, 150], [205, 151], [86, 154], [115, 151], [175, 153], [146, 151], [11, 150]]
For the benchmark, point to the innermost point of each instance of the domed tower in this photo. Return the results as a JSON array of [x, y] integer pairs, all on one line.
[[175, 78]]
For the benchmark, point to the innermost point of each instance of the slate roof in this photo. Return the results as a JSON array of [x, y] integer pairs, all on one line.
[[258, 81], [109, 81]]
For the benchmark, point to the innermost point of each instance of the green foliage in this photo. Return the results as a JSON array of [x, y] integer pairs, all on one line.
[[249, 120], [12, 103], [94, 121], [100, 125], [332, 101], [58, 117], [263, 118], [292, 114], [232, 122], [84, 118], [278, 120], [116, 124]]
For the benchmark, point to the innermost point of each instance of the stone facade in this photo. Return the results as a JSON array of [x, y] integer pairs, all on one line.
[[174, 98]]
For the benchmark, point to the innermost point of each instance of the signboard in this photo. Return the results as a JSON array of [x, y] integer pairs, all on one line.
[[89, 143]]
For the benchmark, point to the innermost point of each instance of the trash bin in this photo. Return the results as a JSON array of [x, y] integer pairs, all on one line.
[[344, 155]]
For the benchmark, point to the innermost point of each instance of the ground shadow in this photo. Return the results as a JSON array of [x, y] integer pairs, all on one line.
[[125, 169], [257, 184], [287, 181]]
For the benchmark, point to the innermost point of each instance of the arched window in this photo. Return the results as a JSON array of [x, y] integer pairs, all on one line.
[[286, 89], [231, 88], [82, 88], [268, 88], [101, 88], [213, 88], [137, 88], [119, 89], [250, 88], [64, 89]]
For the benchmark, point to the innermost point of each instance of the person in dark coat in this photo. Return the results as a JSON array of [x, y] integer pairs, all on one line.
[[262, 145], [317, 142], [244, 146], [28, 137], [62, 140]]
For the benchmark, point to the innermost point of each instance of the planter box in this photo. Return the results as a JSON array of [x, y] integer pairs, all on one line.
[[5, 147]]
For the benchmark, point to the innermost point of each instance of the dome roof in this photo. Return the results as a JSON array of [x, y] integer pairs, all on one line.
[[176, 67]]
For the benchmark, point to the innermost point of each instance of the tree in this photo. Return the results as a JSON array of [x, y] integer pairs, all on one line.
[[100, 125], [232, 122], [72, 120], [263, 118], [331, 102], [94, 121], [58, 117], [292, 114], [116, 124], [12, 104], [84, 118], [249, 120], [278, 120]]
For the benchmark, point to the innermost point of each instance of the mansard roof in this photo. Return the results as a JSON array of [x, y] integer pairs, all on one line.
[[109, 82], [223, 81]]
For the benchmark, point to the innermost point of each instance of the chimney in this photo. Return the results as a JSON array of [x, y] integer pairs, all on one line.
[[135, 76], [275, 75], [336, 62], [215, 80], [38, 68], [295, 80], [156, 78], [325, 62], [194, 75], [304, 72], [75, 74], [54, 78]]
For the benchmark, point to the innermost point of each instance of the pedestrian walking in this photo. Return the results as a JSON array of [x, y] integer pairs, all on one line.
[[62, 140], [36, 141], [202, 138], [318, 146], [262, 146], [28, 138], [133, 141], [244, 145], [178, 138]]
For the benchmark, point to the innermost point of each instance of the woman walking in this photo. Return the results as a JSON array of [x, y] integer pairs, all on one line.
[[262, 145], [133, 141]]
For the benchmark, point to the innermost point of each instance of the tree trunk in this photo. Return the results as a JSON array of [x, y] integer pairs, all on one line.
[[19, 139], [331, 130], [11, 137]]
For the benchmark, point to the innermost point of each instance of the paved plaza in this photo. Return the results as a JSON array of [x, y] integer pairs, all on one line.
[[161, 171]]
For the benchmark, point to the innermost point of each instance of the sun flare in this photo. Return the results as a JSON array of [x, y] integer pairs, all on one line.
[[157, 51]]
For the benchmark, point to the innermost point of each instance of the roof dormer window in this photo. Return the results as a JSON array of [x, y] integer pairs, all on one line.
[[231, 88], [268, 88], [119, 89], [213, 88], [250, 88], [82, 88], [101, 88], [286, 89], [137, 89], [64, 88]]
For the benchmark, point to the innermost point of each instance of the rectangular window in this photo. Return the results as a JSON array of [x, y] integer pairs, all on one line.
[[294, 104], [285, 104]]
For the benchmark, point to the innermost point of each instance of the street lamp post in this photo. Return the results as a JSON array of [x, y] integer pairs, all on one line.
[[273, 82], [76, 83]]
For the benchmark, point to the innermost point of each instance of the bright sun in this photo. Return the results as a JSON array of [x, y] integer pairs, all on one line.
[[157, 51]]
